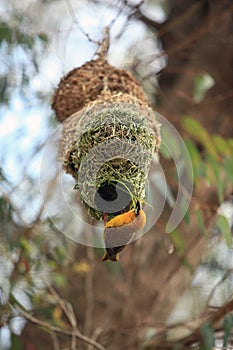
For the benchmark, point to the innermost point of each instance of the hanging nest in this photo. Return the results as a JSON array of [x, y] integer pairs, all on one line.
[[109, 136], [83, 85]]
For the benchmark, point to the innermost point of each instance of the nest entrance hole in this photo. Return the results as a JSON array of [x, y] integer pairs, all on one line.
[[114, 197]]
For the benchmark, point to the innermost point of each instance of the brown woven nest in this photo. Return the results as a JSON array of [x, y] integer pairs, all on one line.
[[84, 84], [109, 136]]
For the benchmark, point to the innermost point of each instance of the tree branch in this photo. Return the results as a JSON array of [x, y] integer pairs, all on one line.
[[52, 328]]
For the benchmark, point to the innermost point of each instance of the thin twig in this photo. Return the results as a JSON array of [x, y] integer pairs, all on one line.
[[73, 322], [89, 289], [104, 45], [69, 312], [56, 344], [75, 20], [69, 332]]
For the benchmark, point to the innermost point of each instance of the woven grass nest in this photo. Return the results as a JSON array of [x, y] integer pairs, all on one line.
[[109, 136]]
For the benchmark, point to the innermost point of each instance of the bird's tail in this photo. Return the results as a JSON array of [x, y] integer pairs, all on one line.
[[108, 257]]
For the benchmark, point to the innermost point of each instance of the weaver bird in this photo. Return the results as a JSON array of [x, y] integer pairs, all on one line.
[[120, 230]]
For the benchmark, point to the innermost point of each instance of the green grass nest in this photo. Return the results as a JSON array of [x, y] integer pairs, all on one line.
[[112, 152]]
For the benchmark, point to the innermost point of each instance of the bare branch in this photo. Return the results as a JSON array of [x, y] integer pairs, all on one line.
[[55, 340], [52, 328], [89, 290], [69, 312], [75, 20]]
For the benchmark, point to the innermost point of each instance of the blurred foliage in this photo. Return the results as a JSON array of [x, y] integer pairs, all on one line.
[[31, 258], [16, 42], [211, 156], [207, 333], [224, 227], [228, 325], [13, 35], [202, 83]]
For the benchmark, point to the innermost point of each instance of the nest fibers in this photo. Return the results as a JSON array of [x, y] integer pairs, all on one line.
[[109, 136]]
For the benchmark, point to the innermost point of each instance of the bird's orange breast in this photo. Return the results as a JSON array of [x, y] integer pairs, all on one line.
[[120, 231], [127, 218]]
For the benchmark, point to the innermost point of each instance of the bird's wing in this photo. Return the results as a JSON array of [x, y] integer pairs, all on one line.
[[118, 236]]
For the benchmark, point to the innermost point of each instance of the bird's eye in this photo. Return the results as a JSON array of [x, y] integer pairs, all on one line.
[[138, 208]]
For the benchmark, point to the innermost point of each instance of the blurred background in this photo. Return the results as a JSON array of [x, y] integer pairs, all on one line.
[[168, 290]]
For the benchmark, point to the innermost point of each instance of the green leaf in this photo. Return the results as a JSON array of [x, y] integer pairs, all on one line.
[[15, 342], [207, 334], [177, 241], [220, 182], [61, 252], [227, 326], [187, 217], [224, 227], [6, 32], [43, 37], [188, 265], [164, 151], [185, 211], [59, 280], [170, 143], [196, 130], [195, 158], [230, 143], [193, 151], [228, 167], [201, 170], [26, 40], [200, 221], [27, 246], [202, 83], [221, 145]]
